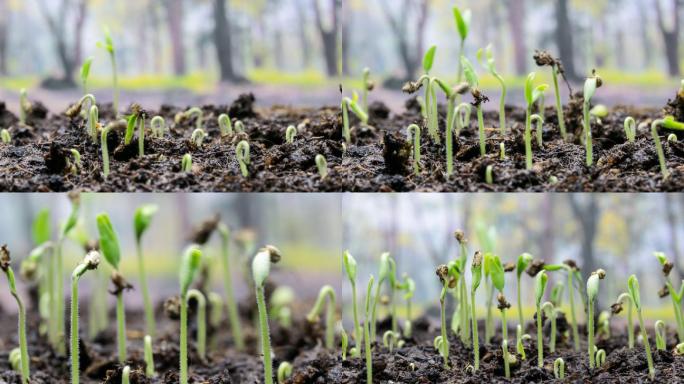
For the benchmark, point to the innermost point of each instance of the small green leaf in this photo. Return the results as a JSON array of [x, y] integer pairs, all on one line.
[[109, 241], [497, 273], [589, 89], [540, 285], [429, 58], [73, 216], [469, 72], [633, 286], [384, 271], [192, 258], [669, 122], [85, 69], [143, 218], [349, 265], [538, 92], [41, 227], [130, 128], [462, 20], [662, 259], [529, 88], [523, 261]]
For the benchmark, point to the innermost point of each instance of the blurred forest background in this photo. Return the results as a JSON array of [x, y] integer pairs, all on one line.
[[306, 228], [288, 51], [617, 232]]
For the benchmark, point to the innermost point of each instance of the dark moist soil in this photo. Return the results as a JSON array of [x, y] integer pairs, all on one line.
[[378, 159]]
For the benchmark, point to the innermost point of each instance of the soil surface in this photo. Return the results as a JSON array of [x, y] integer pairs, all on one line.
[[379, 157]]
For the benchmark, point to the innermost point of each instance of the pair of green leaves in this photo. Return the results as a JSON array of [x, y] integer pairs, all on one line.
[[41, 227], [192, 258], [142, 219], [469, 73], [495, 270], [488, 55], [532, 93], [109, 240], [108, 44], [523, 261]]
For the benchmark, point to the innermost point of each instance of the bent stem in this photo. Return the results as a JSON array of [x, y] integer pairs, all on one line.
[[328, 292], [201, 321], [233, 315], [559, 105]]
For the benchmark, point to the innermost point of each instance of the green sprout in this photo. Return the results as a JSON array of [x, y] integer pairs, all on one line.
[[540, 126], [633, 289], [476, 271], [15, 359], [441, 342], [290, 134], [345, 343], [261, 267], [93, 122], [679, 349], [409, 287], [328, 292], [498, 279], [109, 246], [676, 296], [190, 263], [630, 128], [502, 151], [550, 309], [201, 321], [353, 105], [462, 116], [600, 357], [383, 274], [284, 372], [5, 136], [368, 85], [25, 106], [90, 262], [543, 58], [125, 375], [137, 117], [462, 293], [473, 82], [572, 270], [225, 125], [539, 288], [187, 115], [322, 166], [243, 158], [523, 261], [519, 347], [389, 339], [590, 85], [603, 324], [186, 163], [105, 149], [671, 138], [617, 308], [158, 126], [350, 268], [149, 357], [491, 66], [239, 127], [141, 221], [366, 333], [592, 294], [197, 137], [216, 308], [108, 46], [489, 179], [231, 304], [559, 368], [91, 110], [5, 265], [661, 335], [85, 73], [532, 94], [462, 20], [414, 130], [669, 123], [430, 98]]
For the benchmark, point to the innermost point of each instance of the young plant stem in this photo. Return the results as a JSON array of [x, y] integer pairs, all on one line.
[[149, 357], [190, 263], [261, 265], [489, 319], [105, 151], [549, 307], [59, 292], [587, 134], [366, 334], [382, 275], [23, 345], [147, 302], [328, 292], [414, 131], [507, 368], [91, 261], [121, 326], [141, 136], [630, 321], [201, 321], [559, 105], [573, 316], [476, 337], [449, 133], [444, 338], [540, 340], [481, 130], [184, 340], [528, 138], [540, 126], [677, 307], [233, 315], [647, 344]]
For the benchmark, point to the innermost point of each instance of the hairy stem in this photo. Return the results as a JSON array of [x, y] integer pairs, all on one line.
[[149, 309], [647, 344], [265, 336], [590, 334], [184, 340], [476, 338], [233, 315], [75, 360], [540, 339], [121, 324]]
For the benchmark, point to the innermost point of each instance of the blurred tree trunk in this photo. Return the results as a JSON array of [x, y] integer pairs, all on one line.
[[304, 43], [516, 19], [153, 14], [670, 36], [174, 14], [670, 207], [548, 233], [564, 39], [4, 36], [222, 41], [646, 46], [586, 211], [329, 36], [410, 56], [81, 17]]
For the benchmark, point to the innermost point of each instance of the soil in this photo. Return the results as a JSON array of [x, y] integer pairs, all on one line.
[[378, 159]]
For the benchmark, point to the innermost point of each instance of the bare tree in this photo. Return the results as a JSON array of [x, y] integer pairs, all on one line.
[[409, 53], [4, 35], [174, 14], [670, 35], [329, 36], [222, 41], [564, 39], [516, 19]]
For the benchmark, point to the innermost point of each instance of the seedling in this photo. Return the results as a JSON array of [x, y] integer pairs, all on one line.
[[368, 85], [187, 115], [519, 347], [322, 166], [633, 289], [5, 265], [328, 292], [532, 94], [603, 326], [462, 116], [479, 99], [462, 20], [630, 128], [261, 267], [109, 246], [105, 149], [85, 73], [617, 308], [290, 134], [15, 359], [390, 339], [90, 262], [108, 46], [441, 343], [550, 309], [201, 321], [92, 114], [540, 286], [523, 261], [669, 123], [414, 130], [489, 179], [231, 304], [463, 314], [93, 122], [540, 126], [661, 335], [243, 158], [383, 273], [351, 104], [366, 333], [25, 106], [545, 59], [239, 127], [600, 357], [149, 357], [502, 151], [350, 268], [190, 263], [137, 117], [491, 66], [590, 85], [5, 136], [141, 221], [430, 96], [671, 138], [125, 375], [476, 271], [284, 372], [592, 294], [345, 343], [559, 369], [225, 125], [197, 137], [676, 296], [158, 126]]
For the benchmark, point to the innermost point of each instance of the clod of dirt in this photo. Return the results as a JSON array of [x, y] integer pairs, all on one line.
[[243, 107], [676, 107], [202, 233], [56, 159], [378, 110], [396, 152]]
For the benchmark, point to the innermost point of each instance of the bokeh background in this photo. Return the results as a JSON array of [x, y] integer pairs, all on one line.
[[306, 228], [616, 232]]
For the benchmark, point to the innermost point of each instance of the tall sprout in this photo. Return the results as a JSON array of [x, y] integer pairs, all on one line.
[[490, 64], [350, 269], [261, 268], [90, 262], [617, 308], [190, 263], [539, 288], [590, 85], [327, 291], [23, 345], [233, 314], [476, 271], [108, 45], [532, 94], [141, 221], [592, 294], [462, 20], [523, 261], [479, 98], [383, 273], [633, 289], [677, 296]]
